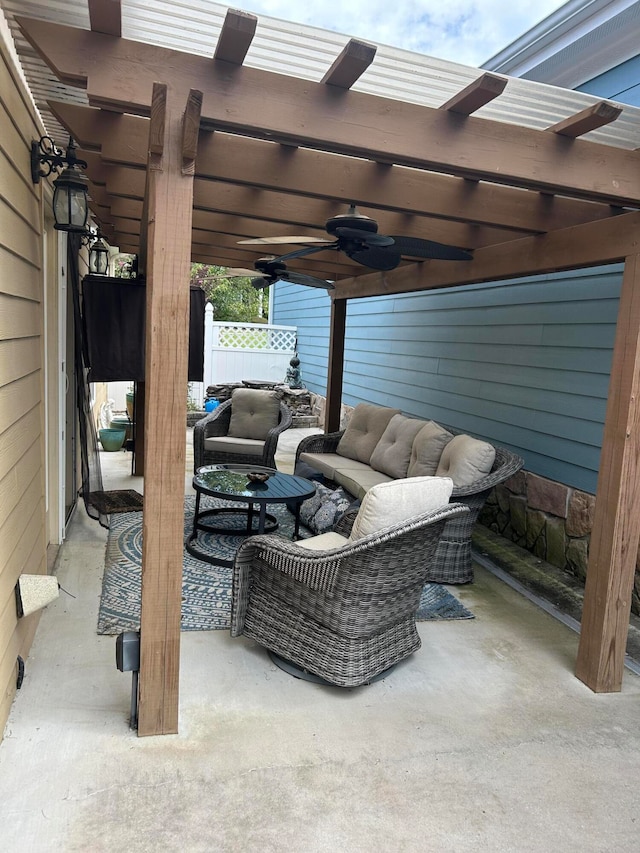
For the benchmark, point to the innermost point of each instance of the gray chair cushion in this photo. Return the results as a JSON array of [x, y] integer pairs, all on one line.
[[392, 453], [253, 413], [364, 431], [427, 450]]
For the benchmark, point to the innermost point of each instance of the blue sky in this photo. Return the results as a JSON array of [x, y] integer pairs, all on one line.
[[465, 31]]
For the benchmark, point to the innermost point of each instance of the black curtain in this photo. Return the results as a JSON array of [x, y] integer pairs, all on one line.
[[91, 471], [114, 327], [109, 323]]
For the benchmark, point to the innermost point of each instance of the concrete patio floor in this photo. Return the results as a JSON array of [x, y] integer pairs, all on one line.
[[482, 740]]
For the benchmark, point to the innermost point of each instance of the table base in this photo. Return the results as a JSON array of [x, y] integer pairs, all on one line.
[[251, 528]]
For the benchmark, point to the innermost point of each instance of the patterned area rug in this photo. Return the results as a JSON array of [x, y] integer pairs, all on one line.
[[206, 589]]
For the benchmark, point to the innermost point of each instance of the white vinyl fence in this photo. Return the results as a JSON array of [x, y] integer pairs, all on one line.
[[237, 351]]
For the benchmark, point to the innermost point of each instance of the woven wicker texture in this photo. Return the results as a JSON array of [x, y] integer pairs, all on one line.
[[346, 614], [217, 424], [452, 562]]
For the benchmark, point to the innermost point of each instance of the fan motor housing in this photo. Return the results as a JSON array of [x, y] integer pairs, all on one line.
[[270, 266], [351, 220]]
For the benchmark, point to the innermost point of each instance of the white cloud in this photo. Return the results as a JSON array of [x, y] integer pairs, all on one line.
[[465, 31]]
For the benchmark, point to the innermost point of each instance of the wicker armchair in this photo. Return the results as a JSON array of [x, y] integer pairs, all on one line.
[[345, 614], [452, 562], [240, 451]]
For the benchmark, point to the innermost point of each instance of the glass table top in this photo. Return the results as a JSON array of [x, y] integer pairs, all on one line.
[[232, 481]]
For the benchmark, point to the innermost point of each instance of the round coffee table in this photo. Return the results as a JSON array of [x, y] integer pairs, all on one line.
[[231, 483]]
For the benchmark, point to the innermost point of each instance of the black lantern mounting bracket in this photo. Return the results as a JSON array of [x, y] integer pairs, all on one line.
[[45, 152]]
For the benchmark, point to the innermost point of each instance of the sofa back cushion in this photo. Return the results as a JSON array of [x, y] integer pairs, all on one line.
[[466, 459], [253, 413], [392, 453], [398, 501], [364, 431], [427, 449]]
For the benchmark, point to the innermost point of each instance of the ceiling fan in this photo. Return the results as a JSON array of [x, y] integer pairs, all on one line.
[[357, 236], [274, 269]]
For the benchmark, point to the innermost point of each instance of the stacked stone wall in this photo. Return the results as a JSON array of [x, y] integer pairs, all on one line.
[[551, 520]]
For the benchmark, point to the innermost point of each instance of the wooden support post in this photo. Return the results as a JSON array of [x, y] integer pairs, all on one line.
[[170, 200], [616, 529], [336, 365]]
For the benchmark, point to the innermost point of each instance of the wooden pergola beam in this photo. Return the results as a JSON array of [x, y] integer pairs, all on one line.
[[354, 59], [170, 202], [572, 248], [588, 119], [105, 16], [482, 91], [236, 36], [119, 75], [122, 139]]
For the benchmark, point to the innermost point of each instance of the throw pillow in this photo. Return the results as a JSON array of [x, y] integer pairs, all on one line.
[[253, 413], [321, 511], [364, 431], [466, 459], [392, 453], [399, 500], [427, 449]]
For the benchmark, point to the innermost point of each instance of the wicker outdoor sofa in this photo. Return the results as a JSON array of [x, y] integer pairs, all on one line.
[[322, 454]]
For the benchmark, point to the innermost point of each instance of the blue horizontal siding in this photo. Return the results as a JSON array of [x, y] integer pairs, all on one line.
[[524, 363]]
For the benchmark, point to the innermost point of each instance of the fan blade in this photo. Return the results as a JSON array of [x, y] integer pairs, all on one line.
[[308, 280], [361, 236], [236, 272], [418, 248], [308, 250], [377, 257], [278, 241], [262, 282]]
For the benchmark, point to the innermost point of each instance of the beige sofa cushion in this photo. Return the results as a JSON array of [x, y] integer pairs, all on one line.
[[364, 431], [427, 449], [359, 482], [399, 500], [253, 413], [392, 453], [329, 463], [466, 459]]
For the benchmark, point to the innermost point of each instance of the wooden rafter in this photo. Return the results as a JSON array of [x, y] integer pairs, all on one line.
[[122, 139], [304, 113], [482, 91], [105, 16], [588, 119], [350, 65], [236, 36]]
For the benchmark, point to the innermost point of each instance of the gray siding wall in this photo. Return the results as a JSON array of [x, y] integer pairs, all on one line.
[[524, 363]]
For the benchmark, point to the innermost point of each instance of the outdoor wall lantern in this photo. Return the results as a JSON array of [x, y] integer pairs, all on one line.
[[99, 256], [70, 197]]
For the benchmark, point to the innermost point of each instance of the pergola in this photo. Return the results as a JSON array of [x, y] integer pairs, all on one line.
[[189, 154]]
